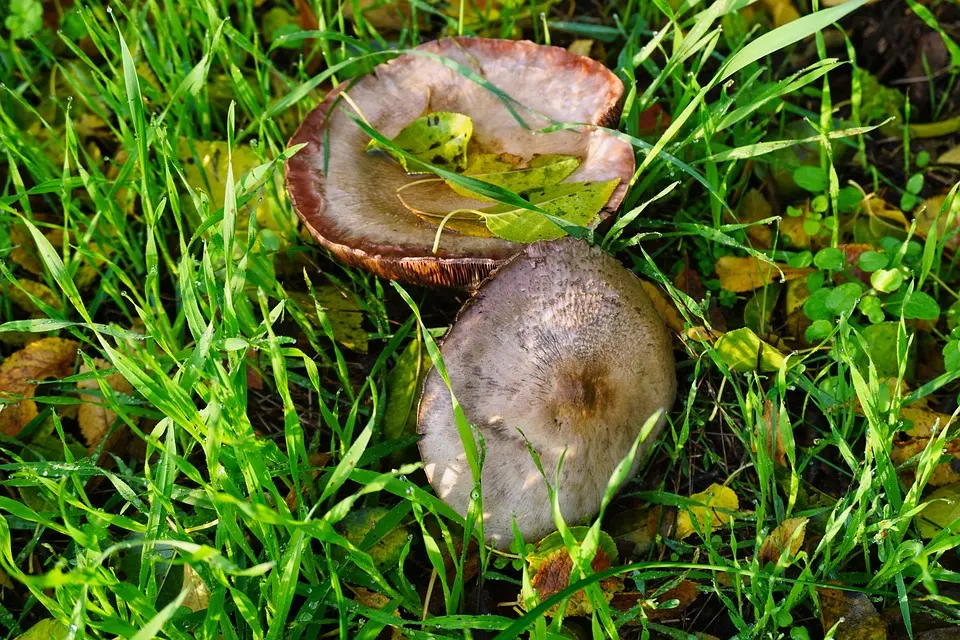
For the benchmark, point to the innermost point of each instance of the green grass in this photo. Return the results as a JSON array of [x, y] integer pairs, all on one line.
[[142, 152]]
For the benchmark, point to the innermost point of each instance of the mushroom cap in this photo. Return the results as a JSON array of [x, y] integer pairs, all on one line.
[[351, 206], [563, 344]]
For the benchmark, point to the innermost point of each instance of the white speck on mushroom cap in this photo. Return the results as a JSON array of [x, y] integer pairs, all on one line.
[[563, 344]]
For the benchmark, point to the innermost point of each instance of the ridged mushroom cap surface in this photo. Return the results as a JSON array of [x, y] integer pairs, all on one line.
[[348, 198], [564, 345]]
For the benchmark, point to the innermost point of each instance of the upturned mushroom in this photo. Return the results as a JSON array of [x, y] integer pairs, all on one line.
[[561, 348], [348, 198]]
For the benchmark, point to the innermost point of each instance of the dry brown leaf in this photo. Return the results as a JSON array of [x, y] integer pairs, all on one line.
[[857, 617], [709, 516], [746, 274], [776, 445], [317, 461], [753, 208], [787, 537], [40, 360], [653, 120], [94, 418], [552, 574], [665, 307]]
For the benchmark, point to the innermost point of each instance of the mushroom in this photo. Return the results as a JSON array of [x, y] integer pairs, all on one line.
[[562, 344], [348, 198]]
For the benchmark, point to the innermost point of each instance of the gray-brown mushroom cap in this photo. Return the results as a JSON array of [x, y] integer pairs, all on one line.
[[563, 344], [347, 197]]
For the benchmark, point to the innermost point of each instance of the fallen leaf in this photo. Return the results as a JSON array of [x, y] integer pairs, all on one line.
[[385, 552], [346, 318], [551, 566], [708, 516], [787, 538], [577, 203], [937, 210], [758, 311], [665, 606], [945, 473], [775, 437], [942, 511], [542, 172], [581, 47], [95, 419], [743, 351], [951, 156], [853, 614], [440, 138], [640, 526], [936, 129], [653, 120], [753, 208], [317, 460], [205, 168], [782, 11], [665, 307], [404, 384], [746, 274], [48, 629], [198, 594], [38, 290], [40, 360]]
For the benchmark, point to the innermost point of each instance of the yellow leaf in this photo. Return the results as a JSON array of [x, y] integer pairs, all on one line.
[[198, 594], [786, 538], [782, 11], [95, 419], [40, 291], [930, 213], [715, 501], [664, 306], [746, 274], [47, 358], [581, 47]]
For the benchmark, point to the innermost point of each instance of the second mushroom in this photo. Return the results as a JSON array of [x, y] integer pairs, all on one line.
[[562, 349]]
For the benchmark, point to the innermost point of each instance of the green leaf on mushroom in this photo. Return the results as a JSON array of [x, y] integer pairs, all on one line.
[[440, 138], [543, 171], [577, 203]]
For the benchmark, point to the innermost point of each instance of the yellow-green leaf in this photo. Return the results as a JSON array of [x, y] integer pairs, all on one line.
[[577, 203], [346, 318], [543, 171], [440, 138], [403, 389], [942, 511], [742, 350], [48, 629]]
